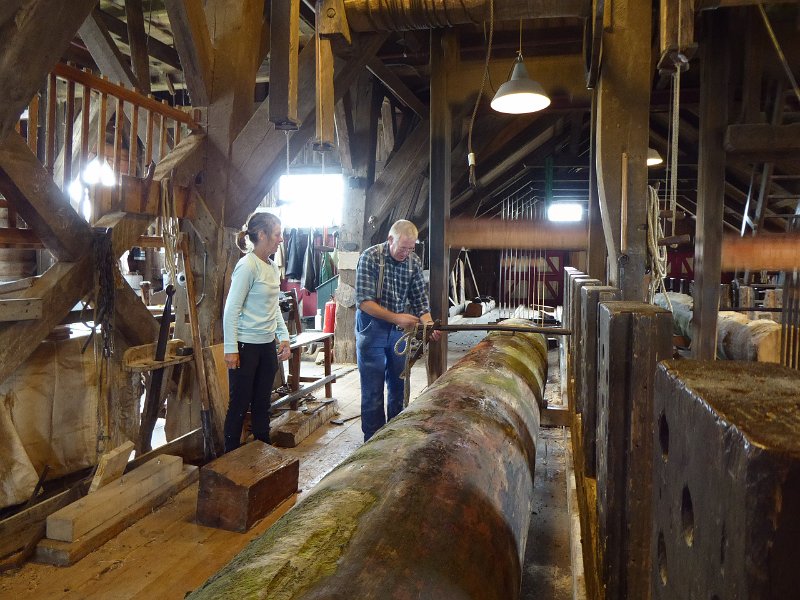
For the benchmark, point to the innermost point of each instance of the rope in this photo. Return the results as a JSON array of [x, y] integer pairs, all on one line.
[[413, 346], [657, 254], [170, 229]]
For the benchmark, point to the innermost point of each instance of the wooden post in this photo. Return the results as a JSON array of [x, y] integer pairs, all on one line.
[[710, 185], [439, 194], [283, 64]]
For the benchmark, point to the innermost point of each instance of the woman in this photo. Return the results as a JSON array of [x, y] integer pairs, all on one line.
[[252, 322]]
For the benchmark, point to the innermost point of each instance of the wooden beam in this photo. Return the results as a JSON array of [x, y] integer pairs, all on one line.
[[763, 141], [34, 195], [710, 186], [396, 86], [37, 42], [13, 237], [61, 286], [283, 63], [259, 152], [193, 43], [527, 235], [14, 309], [343, 118], [137, 37], [393, 183], [623, 100], [8, 8], [443, 53], [105, 52], [158, 50]]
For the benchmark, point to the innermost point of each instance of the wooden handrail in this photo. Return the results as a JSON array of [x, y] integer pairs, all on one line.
[[104, 86]]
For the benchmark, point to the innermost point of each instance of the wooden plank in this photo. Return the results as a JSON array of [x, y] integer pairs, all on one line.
[[486, 233], [283, 63], [111, 465], [18, 531], [138, 42], [107, 503], [37, 41], [325, 137], [63, 554], [288, 430], [20, 310], [193, 43], [39, 201], [138, 359], [396, 87], [244, 485], [218, 391]]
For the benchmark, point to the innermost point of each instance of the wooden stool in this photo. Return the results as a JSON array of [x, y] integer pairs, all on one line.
[[244, 485]]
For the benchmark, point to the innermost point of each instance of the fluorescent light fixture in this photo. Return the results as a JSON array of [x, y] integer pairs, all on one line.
[[520, 94], [653, 157], [565, 212]]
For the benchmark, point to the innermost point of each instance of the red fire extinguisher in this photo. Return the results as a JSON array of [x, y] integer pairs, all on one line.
[[330, 316]]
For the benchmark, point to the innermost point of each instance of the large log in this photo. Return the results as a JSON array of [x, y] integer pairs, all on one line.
[[436, 505]]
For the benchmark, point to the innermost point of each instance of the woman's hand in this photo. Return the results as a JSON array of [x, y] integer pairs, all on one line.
[[232, 360], [284, 351]]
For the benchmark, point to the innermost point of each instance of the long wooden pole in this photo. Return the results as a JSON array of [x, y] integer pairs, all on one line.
[[436, 505]]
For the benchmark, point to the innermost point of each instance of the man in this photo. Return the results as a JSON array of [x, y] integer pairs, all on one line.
[[390, 296]]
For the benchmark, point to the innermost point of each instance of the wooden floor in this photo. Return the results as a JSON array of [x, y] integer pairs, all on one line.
[[166, 555]]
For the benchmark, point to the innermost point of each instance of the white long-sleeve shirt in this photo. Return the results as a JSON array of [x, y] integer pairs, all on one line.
[[252, 314]]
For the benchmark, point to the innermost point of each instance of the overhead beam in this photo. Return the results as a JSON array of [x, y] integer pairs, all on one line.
[[193, 43], [478, 234], [30, 47], [140, 58], [158, 50], [30, 189], [283, 63], [365, 15], [763, 141], [396, 86]]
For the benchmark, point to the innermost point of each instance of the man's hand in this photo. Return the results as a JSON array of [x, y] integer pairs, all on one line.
[[284, 351], [232, 360], [405, 320], [433, 335]]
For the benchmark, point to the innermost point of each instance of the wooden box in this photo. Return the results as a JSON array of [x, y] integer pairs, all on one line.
[[242, 486]]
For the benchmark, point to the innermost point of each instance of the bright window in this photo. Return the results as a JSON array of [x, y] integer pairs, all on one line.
[[307, 200], [565, 211]]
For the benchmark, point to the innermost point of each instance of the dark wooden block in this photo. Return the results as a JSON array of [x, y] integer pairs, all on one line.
[[633, 337], [586, 382], [726, 456], [242, 486], [578, 283]]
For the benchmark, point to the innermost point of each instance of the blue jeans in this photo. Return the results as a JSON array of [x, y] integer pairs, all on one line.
[[378, 364]]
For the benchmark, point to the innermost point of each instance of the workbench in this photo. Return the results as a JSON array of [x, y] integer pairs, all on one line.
[[295, 379]]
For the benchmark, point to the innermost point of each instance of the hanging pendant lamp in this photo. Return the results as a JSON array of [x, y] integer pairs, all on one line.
[[653, 157], [520, 94]]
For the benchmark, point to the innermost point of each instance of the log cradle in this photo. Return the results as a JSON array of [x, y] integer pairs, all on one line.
[[436, 505]]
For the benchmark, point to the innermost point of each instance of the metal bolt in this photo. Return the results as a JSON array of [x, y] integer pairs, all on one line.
[[331, 13]]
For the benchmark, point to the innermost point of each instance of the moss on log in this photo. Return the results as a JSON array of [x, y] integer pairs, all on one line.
[[436, 505]]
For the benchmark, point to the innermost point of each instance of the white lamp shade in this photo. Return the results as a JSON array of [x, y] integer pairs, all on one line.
[[520, 94], [653, 157]]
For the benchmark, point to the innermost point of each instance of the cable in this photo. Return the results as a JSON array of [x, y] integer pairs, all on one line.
[[473, 182]]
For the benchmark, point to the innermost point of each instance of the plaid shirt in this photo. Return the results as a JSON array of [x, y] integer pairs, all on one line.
[[403, 282]]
